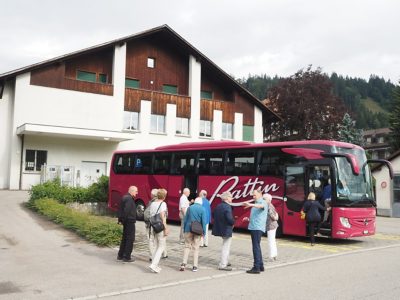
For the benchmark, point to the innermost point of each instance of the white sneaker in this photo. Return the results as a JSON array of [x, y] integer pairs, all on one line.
[[154, 269]]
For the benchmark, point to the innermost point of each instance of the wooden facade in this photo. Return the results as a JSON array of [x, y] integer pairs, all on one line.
[[63, 75]]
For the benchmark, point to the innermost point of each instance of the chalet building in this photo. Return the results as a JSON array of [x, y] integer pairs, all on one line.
[[387, 190], [64, 117], [376, 142]]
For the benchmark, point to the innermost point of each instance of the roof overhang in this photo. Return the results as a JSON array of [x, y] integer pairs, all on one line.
[[73, 133]]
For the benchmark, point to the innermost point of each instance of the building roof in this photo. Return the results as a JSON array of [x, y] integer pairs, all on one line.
[[172, 36], [377, 131], [390, 158]]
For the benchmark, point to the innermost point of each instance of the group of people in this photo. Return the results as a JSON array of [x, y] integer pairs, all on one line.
[[263, 217]]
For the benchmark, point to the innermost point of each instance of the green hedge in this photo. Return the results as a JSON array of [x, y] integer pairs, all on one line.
[[102, 231], [97, 192]]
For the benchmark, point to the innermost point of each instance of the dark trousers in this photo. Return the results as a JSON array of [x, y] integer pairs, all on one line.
[[128, 237], [311, 229], [256, 243]]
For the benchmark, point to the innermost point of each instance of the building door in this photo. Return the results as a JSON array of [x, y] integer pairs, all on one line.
[[91, 171]]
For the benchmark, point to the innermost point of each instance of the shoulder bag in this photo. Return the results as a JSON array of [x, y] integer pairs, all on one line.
[[196, 227], [156, 221]]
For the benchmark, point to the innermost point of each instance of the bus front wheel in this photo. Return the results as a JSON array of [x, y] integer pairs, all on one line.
[[140, 207]]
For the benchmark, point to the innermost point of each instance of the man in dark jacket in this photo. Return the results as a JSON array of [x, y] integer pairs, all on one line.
[[127, 217], [223, 225]]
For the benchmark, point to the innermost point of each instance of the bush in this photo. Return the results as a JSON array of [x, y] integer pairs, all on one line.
[[102, 231], [97, 192]]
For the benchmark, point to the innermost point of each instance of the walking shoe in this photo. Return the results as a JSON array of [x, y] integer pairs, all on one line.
[[164, 257], [228, 265], [262, 269], [119, 257], [225, 268], [154, 269], [194, 269], [182, 268], [253, 271], [128, 259], [150, 260]]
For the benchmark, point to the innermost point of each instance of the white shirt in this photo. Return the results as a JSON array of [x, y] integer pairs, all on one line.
[[154, 206], [183, 202]]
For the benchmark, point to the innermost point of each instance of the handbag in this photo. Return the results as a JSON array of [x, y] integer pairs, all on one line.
[[302, 215], [196, 228], [156, 221]]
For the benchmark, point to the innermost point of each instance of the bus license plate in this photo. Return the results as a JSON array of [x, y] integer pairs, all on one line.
[[365, 231]]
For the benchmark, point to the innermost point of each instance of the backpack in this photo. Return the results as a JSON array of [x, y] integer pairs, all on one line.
[[146, 214], [156, 221]]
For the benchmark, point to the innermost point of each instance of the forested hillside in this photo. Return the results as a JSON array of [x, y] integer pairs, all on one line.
[[367, 101]]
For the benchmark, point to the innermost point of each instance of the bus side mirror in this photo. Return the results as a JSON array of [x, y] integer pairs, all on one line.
[[349, 157], [383, 162]]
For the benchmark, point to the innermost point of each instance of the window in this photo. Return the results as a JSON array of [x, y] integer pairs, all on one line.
[[123, 163], [151, 62], [396, 188], [143, 163], [205, 128], [132, 83], [162, 163], [211, 163], [103, 78], [248, 133], [184, 163], [206, 95], [182, 126], [240, 163], [272, 162], [157, 124], [227, 130], [381, 140], [86, 76], [35, 159], [170, 89], [131, 120]]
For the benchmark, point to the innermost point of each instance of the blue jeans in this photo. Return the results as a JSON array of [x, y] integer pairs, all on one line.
[[256, 243]]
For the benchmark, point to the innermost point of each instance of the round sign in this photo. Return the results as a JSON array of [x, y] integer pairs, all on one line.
[[383, 184]]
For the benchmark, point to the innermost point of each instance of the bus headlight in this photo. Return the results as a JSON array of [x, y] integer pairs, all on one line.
[[345, 222]]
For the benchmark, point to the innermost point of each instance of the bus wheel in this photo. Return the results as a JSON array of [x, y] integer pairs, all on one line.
[[140, 210]]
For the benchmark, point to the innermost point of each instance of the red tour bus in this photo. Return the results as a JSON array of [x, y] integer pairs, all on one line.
[[286, 170]]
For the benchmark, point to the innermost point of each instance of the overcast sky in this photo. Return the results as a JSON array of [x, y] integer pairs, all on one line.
[[274, 37]]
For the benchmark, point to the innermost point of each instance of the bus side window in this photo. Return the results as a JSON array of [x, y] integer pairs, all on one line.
[[143, 163], [123, 164], [162, 163], [184, 163], [211, 163]]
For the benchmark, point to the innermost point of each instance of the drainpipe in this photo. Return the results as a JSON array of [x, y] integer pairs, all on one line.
[[20, 164]]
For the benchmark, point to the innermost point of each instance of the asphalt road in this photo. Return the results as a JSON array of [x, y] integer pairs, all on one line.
[[40, 260]]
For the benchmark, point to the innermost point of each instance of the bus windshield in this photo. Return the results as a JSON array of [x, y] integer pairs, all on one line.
[[352, 190]]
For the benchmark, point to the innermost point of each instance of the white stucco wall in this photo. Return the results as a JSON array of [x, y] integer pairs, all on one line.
[[384, 195], [6, 109], [195, 94], [238, 127], [66, 152], [258, 128]]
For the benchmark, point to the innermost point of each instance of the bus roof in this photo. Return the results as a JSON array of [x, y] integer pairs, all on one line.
[[215, 145]]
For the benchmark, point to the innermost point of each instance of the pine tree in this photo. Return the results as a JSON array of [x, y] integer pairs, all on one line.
[[394, 120], [348, 132]]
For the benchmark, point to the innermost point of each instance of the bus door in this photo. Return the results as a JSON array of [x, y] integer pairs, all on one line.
[[293, 201]]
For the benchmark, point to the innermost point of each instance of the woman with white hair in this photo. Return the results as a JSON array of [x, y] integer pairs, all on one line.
[[272, 226], [195, 213]]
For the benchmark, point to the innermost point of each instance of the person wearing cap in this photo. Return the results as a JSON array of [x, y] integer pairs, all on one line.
[[223, 225]]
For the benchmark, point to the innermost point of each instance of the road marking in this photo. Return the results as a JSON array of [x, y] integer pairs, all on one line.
[[388, 237], [234, 273]]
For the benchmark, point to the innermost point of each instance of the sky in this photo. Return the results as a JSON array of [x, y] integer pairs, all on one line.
[[354, 38]]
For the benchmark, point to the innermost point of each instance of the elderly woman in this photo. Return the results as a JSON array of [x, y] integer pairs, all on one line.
[[272, 225], [223, 225], [194, 213], [313, 217]]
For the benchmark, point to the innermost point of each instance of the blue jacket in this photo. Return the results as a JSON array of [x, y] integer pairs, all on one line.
[[311, 208], [223, 220], [207, 209], [195, 212]]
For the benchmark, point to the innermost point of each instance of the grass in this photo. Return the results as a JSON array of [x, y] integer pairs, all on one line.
[[373, 106]]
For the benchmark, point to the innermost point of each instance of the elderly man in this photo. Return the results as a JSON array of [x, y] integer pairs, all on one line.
[[223, 225], [183, 206], [127, 217]]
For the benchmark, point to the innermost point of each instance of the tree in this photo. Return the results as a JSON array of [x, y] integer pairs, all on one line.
[[307, 105], [348, 132], [394, 120]]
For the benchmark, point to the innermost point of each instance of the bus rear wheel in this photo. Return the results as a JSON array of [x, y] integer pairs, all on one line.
[[140, 207]]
